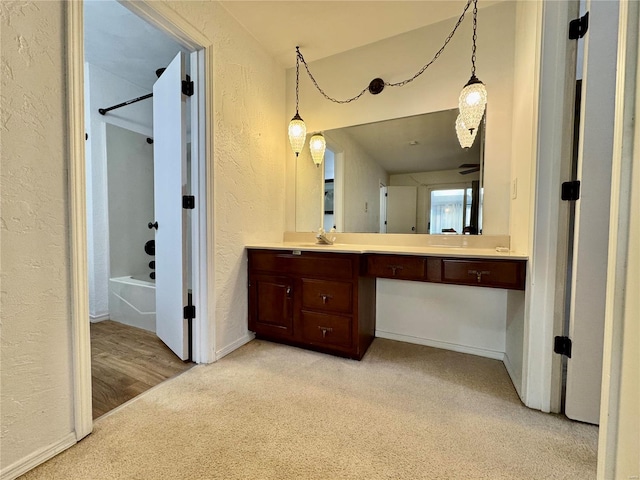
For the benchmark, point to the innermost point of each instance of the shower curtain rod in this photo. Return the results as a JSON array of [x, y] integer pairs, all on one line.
[[103, 111]]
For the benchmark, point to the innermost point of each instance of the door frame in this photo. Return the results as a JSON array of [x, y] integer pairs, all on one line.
[[170, 23]]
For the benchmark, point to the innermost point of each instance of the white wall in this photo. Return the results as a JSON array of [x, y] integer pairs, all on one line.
[[514, 341], [454, 317], [362, 177], [523, 147], [130, 186], [103, 89], [36, 377], [248, 159], [398, 58]]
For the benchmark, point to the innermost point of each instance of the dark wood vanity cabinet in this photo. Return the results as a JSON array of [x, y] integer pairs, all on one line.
[[327, 301], [479, 272], [312, 299]]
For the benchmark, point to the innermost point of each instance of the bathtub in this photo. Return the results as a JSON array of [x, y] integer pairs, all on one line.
[[132, 301]]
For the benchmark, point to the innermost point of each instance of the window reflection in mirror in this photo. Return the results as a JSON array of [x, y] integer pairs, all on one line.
[[384, 175]]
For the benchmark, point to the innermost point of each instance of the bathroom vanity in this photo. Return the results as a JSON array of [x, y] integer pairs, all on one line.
[[324, 297]]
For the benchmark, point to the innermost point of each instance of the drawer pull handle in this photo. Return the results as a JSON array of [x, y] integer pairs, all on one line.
[[394, 268], [325, 297], [479, 274], [324, 330]]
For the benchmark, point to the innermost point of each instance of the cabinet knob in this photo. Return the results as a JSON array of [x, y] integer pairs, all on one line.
[[395, 268], [288, 291], [479, 274], [325, 297], [324, 330]]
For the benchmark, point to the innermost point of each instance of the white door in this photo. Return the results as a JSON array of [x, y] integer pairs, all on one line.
[[383, 208], [590, 247], [401, 209], [170, 181]]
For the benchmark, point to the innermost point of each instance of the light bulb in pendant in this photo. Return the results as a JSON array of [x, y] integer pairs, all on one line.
[[472, 103], [297, 133], [317, 145]]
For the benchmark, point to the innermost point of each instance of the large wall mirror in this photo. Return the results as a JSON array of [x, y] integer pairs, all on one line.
[[406, 175]]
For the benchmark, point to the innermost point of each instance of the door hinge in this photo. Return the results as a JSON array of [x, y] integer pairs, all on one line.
[[578, 27], [188, 202], [187, 86], [562, 345], [189, 312], [570, 190]]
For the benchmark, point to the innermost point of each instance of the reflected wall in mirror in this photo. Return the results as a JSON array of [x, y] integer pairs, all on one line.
[[406, 175]]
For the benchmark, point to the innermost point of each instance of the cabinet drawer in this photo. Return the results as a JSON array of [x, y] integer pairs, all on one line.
[[396, 266], [327, 296], [306, 263], [326, 329], [484, 273]]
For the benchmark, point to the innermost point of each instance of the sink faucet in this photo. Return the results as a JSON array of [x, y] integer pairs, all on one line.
[[322, 238]]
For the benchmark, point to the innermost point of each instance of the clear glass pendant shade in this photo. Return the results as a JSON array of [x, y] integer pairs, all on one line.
[[317, 145], [297, 134], [466, 137], [472, 102]]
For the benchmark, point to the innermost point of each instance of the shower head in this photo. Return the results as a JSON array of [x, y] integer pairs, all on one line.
[[160, 71]]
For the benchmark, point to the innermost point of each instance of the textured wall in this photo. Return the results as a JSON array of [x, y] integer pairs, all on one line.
[[36, 396], [249, 133]]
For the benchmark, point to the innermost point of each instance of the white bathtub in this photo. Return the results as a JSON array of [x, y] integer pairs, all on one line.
[[132, 301]]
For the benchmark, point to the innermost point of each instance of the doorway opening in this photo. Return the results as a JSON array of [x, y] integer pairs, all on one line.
[[144, 191]]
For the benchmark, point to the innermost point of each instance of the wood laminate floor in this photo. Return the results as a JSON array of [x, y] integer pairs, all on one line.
[[126, 361]]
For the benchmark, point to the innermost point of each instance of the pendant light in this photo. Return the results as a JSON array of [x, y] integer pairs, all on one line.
[[317, 145], [297, 128], [473, 98]]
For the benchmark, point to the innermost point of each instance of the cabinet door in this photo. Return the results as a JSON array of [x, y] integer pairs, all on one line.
[[271, 305]]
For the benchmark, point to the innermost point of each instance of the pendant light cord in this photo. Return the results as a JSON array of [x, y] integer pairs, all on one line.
[[297, 77], [473, 48], [300, 58]]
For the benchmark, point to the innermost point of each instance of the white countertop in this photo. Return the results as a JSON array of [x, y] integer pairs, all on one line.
[[463, 252]]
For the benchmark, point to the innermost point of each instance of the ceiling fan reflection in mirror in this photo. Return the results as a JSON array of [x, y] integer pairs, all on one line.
[[471, 168]]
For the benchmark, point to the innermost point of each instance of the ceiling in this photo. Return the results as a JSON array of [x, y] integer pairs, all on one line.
[[325, 28], [422, 143], [118, 41], [123, 44]]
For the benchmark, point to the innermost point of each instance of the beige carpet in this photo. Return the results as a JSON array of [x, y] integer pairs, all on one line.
[[269, 411]]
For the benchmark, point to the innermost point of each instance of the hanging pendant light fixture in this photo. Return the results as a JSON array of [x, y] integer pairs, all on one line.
[[297, 128], [466, 136], [317, 145], [473, 98]]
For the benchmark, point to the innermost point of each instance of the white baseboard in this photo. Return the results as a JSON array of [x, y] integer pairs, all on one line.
[[481, 352], [98, 318], [511, 371], [36, 458], [235, 345]]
